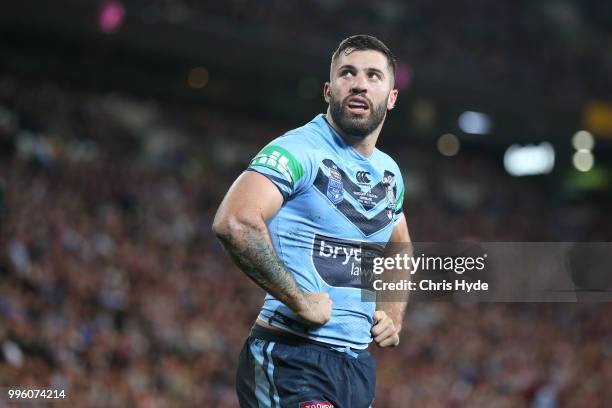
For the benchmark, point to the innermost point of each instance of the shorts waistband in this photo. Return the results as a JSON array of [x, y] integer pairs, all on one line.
[[285, 337]]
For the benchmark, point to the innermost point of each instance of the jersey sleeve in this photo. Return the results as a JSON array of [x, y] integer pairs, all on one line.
[[399, 198], [286, 162]]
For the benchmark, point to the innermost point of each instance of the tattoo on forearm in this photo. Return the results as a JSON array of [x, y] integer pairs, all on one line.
[[256, 258]]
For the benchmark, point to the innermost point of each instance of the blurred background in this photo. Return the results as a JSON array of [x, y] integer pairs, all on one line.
[[123, 123]]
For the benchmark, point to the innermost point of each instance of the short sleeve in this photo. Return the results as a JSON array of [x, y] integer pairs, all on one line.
[[286, 163], [399, 198]]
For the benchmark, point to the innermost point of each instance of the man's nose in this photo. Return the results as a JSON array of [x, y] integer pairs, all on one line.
[[360, 84]]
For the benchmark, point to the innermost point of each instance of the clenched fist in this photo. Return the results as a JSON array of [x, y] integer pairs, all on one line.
[[384, 331], [317, 309]]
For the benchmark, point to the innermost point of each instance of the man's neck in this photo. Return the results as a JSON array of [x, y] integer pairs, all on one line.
[[364, 146]]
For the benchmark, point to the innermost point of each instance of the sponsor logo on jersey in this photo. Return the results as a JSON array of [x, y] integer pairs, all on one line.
[[281, 161], [316, 404], [274, 160], [339, 261], [335, 188], [363, 177]]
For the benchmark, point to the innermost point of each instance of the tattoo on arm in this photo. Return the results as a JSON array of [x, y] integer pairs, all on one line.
[[255, 256]]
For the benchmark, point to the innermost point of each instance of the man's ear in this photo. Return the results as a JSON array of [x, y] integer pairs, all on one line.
[[327, 92], [392, 98]]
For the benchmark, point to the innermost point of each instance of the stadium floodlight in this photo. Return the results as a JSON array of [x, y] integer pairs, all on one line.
[[448, 145], [583, 160], [477, 123], [583, 140], [529, 160]]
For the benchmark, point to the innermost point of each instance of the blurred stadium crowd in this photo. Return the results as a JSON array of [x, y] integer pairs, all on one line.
[[113, 288], [551, 46]]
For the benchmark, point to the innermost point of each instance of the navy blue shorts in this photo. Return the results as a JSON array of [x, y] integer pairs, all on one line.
[[281, 370]]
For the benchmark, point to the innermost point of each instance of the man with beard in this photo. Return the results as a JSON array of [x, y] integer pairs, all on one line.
[[293, 223]]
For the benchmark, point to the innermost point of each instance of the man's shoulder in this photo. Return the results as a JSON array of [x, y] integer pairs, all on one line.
[[292, 155], [309, 134], [299, 137], [304, 143]]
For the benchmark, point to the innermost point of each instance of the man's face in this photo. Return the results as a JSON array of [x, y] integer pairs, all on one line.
[[360, 91]]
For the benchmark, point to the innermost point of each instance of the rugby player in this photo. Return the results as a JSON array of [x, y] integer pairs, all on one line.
[[293, 223]]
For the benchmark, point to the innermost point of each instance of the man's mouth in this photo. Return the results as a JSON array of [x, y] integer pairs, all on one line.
[[357, 105]]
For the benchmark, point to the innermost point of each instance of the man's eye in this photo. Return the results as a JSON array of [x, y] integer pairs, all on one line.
[[347, 74], [374, 75]]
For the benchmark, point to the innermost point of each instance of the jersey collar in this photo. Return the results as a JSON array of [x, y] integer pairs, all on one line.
[[324, 124]]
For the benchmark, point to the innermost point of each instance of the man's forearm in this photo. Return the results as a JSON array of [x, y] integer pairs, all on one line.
[[395, 310], [394, 303], [252, 251]]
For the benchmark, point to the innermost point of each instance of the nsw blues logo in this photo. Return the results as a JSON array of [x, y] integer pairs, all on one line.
[[335, 191]]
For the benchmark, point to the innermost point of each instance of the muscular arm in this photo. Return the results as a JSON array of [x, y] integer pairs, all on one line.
[[391, 306], [240, 225]]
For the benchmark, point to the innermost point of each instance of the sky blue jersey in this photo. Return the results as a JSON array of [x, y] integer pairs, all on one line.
[[334, 200]]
